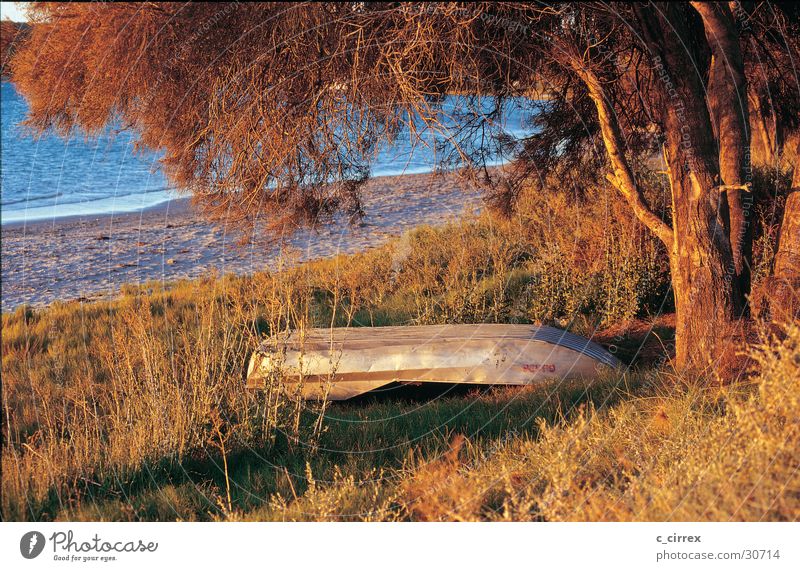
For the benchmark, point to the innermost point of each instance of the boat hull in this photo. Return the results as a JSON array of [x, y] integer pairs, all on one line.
[[340, 363]]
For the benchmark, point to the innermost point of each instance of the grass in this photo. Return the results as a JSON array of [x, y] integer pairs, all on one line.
[[134, 409]]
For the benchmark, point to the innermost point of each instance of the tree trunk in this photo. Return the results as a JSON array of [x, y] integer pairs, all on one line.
[[763, 134], [787, 259], [785, 283], [700, 263], [701, 260], [728, 105]]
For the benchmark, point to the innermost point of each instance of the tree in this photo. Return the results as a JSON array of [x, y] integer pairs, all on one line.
[[785, 283], [769, 45], [10, 34], [699, 238], [278, 109]]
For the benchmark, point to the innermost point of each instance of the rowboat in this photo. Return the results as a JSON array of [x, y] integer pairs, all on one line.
[[340, 363]]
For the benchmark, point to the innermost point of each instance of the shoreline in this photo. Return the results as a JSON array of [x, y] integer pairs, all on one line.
[[89, 258], [180, 202]]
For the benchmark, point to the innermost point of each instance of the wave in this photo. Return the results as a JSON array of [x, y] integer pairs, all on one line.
[[76, 198], [26, 199], [111, 205]]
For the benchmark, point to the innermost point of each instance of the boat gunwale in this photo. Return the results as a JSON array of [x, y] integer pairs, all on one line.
[[340, 339]]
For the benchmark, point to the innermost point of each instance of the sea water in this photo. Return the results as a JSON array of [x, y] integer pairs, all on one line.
[[49, 177]]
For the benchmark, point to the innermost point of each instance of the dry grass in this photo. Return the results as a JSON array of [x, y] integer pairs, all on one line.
[[134, 409], [683, 455]]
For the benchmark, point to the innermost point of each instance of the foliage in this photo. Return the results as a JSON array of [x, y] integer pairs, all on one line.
[[259, 107], [11, 33]]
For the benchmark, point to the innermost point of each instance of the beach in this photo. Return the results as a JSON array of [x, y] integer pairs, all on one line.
[[88, 258]]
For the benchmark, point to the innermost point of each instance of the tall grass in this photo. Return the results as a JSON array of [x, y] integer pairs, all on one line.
[[685, 454], [135, 409]]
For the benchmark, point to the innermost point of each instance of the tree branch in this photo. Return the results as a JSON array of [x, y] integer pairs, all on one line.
[[622, 177]]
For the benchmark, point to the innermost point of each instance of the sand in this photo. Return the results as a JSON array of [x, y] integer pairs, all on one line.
[[90, 257]]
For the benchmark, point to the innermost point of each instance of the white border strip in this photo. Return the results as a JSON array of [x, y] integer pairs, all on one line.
[[386, 547]]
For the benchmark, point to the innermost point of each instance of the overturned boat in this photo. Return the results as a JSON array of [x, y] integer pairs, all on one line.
[[340, 363]]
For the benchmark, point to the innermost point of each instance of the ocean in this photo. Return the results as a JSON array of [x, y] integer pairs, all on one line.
[[49, 177]]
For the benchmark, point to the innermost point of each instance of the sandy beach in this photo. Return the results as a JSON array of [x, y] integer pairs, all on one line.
[[89, 258]]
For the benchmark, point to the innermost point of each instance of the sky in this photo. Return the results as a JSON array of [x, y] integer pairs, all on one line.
[[13, 10]]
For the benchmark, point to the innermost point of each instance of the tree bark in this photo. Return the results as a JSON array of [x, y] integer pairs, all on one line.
[[701, 259], [787, 258], [728, 105], [785, 283], [763, 134]]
